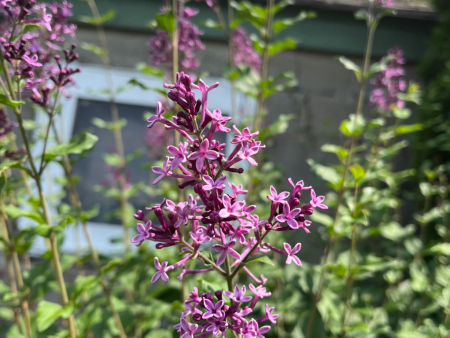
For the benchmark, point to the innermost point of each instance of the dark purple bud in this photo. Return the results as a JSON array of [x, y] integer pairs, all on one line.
[[294, 202], [186, 80], [218, 295], [235, 170], [300, 218], [187, 183], [196, 317], [206, 121], [197, 106], [268, 226]]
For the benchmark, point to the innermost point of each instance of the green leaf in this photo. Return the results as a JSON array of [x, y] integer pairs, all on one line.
[[272, 85], [259, 258], [10, 103], [7, 165], [354, 126], [99, 123], [25, 29], [98, 21], [419, 280], [146, 69], [83, 283], [249, 12], [350, 65], [441, 248], [47, 313], [413, 245], [401, 113], [80, 143], [29, 124], [326, 173], [341, 153], [111, 265], [208, 255], [395, 232], [14, 212], [90, 213], [409, 128], [279, 46], [143, 86], [212, 24], [166, 21], [362, 14], [112, 159], [322, 219], [211, 286], [277, 127], [358, 172], [43, 230], [3, 181], [93, 48], [280, 25]]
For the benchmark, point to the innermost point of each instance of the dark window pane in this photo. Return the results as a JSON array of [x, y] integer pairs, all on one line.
[[93, 171]]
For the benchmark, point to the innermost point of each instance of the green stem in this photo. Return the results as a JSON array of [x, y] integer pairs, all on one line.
[[13, 267], [372, 24], [76, 203], [115, 117], [241, 264], [349, 280], [267, 35], [47, 133], [205, 259]]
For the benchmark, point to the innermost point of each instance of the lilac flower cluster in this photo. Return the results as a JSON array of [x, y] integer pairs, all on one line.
[[237, 231], [33, 55], [390, 83], [188, 42], [243, 51], [214, 317]]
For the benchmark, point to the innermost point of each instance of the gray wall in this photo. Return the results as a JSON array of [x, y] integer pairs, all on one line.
[[326, 94]]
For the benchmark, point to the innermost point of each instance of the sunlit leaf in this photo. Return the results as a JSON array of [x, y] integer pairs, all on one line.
[[259, 258]]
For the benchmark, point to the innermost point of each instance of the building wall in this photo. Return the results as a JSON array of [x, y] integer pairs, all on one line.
[[326, 94]]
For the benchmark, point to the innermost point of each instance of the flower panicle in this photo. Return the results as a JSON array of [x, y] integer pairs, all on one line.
[[215, 216]]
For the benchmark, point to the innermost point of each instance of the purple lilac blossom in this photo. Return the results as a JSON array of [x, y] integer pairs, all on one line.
[[213, 316], [35, 54], [188, 43], [199, 162], [243, 51], [390, 82]]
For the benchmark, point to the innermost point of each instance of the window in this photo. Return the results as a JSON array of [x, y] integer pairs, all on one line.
[[76, 115]]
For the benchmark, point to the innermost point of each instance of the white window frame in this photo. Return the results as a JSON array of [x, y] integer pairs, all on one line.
[[94, 77]]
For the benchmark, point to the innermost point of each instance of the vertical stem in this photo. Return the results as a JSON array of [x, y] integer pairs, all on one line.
[[372, 24], [349, 280], [234, 113], [37, 178], [115, 117], [229, 277], [280, 321], [18, 273], [76, 203], [264, 72], [56, 259]]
